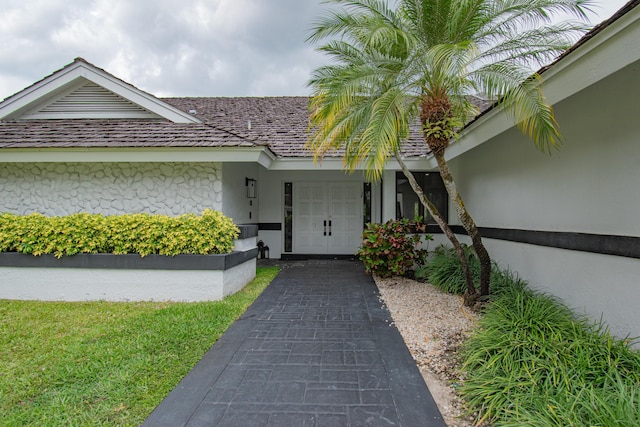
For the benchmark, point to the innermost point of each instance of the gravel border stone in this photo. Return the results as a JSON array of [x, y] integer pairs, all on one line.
[[433, 325]]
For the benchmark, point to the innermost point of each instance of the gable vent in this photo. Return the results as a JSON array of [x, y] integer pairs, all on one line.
[[91, 102]]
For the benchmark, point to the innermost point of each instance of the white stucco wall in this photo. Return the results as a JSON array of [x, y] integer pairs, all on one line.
[[589, 186], [597, 285], [235, 203], [110, 188], [79, 284]]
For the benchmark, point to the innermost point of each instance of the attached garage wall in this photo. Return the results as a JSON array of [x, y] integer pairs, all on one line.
[[590, 186], [110, 188]]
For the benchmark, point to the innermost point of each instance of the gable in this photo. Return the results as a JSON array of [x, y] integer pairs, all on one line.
[[81, 90], [89, 101]]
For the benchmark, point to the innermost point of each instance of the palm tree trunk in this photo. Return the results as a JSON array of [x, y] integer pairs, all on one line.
[[467, 222], [437, 216]]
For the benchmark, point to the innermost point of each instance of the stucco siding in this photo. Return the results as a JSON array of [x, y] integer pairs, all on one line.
[[77, 284], [589, 186], [600, 286], [236, 204], [110, 188]]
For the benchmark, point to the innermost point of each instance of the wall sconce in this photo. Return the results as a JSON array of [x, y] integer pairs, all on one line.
[[250, 183]]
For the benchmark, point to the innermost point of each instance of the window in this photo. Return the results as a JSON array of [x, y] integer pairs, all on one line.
[[288, 216], [366, 204], [407, 203]]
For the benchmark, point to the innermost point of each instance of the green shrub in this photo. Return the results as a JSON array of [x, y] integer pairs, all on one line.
[[421, 273], [444, 271], [532, 361], [144, 234], [504, 281], [392, 248]]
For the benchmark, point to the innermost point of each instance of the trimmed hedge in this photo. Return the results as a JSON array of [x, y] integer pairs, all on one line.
[[143, 234]]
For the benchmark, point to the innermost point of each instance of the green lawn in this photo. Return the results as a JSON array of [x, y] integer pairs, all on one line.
[[102, 363]]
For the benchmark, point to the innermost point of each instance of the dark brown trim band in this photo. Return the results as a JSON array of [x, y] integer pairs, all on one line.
[[270, 226], [130, 261], [625, 246]]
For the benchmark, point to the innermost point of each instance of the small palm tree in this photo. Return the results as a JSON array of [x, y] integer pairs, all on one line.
[[420, 60]]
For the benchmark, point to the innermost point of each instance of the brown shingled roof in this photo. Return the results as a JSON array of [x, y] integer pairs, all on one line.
[[280, 122], [114, 133]]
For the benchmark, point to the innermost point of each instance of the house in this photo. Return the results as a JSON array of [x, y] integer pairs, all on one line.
[[81, 139]]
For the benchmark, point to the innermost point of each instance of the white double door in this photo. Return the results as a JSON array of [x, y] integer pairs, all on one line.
[[327, 217]]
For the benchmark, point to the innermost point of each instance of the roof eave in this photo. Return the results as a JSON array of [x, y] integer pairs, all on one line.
[[609, 49], [338, 164], [260, 155]]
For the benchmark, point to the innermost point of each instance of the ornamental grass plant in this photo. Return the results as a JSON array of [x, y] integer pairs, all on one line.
[[444, 271], [532, 361]]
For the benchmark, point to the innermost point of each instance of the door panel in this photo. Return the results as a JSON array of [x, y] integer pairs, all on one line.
[[327, 217], [345, 214], [308, 217]]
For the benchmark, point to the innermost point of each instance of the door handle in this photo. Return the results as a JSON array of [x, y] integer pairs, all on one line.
[[329, 227], [325, 227]]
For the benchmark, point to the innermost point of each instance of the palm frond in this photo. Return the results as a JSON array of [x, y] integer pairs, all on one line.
[[523, 99], [534, 117], [507, 18], [385, 59], [532, 48]]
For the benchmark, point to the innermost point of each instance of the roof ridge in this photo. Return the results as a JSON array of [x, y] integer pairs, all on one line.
[[237, 97]]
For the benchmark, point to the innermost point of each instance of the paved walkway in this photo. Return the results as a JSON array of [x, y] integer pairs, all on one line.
[[317, 348]]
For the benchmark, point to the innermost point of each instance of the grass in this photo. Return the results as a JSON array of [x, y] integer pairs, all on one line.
[[444, 271], [102, 363], [533, 362]]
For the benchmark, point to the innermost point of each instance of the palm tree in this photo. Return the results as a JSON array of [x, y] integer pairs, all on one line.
[[420, 60]]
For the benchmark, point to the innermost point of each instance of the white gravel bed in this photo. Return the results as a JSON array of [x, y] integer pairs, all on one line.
[[433, 325]]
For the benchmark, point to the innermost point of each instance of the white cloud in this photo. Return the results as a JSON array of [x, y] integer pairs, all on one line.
[[168, 47]]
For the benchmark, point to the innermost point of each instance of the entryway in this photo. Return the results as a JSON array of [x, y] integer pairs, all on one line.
[[315, 349], [327, 217]]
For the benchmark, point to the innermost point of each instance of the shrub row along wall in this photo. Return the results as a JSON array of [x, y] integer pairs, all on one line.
[[144, 234], [109, 277], [110, 188]]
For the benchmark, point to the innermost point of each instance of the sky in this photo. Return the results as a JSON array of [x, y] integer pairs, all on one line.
[[172, 47]]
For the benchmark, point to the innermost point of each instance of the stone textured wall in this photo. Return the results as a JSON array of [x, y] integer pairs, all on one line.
[[110, 188]]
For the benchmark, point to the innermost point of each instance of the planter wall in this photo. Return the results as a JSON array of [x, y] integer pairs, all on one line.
[[109, 277]]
